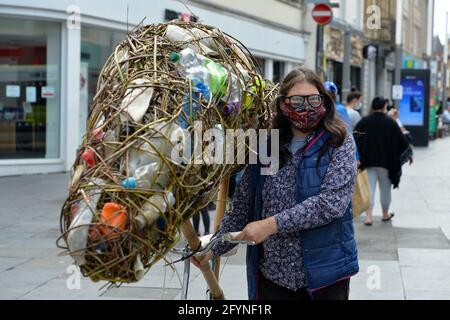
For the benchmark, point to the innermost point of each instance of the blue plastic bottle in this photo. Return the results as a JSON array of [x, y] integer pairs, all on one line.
[[198, 88]]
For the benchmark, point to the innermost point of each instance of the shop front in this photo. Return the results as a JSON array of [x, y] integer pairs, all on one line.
[[334, 54], [30, 93]]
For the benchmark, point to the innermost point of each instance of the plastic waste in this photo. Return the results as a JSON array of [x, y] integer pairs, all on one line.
[[88, 157], [96, 237], [191, 105], [146, 177], [235, 89], [97, 134], [177, 34], [248, 99], [114, 216], [198, 67], [206, 39], [221, 82], [76, 175], [101, 248], [136, 101], [74, 209], [154, 208], [138, 268], [79, 228], [145, 153], [109, 139]]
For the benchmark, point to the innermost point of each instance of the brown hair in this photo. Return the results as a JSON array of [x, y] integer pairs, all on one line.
[[353, 95], [330, 122]]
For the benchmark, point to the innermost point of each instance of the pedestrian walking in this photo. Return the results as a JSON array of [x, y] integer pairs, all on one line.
[[395, 115], [332, 90], [446, 115], [381, 146], [300, 217], [354, 103]]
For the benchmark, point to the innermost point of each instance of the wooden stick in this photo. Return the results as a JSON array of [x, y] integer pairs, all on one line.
[[194, 243], [222, 197]]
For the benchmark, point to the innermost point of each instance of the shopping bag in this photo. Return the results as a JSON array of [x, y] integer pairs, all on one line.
[[361, 194]]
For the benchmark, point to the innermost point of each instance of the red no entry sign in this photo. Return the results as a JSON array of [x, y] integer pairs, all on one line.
[[322, 13]]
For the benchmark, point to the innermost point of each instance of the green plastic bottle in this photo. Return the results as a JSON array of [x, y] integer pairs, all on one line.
[[190, 65]]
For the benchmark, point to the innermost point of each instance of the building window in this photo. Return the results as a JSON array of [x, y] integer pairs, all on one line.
[[355, 77], [278, 71], [30, 55], [96, 47]]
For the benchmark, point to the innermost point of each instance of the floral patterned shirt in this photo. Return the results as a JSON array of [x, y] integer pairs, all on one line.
[[282, 260]]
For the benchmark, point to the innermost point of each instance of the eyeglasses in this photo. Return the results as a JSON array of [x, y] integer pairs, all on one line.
[[301, 103]]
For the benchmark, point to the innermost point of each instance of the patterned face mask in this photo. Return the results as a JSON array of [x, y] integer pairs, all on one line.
[[305, 120]]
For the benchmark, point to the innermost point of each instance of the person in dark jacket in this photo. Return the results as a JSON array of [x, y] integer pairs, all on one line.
[[300, 217], [381, 145]]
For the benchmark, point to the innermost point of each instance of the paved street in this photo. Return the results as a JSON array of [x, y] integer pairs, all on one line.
[[408, 258]]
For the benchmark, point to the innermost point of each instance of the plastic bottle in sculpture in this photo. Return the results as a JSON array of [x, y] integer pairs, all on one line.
[[79, 228]]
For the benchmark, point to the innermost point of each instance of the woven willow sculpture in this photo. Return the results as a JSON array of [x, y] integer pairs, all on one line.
[[114, 224]]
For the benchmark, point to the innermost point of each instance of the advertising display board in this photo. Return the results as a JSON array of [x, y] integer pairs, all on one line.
[[414, 106]]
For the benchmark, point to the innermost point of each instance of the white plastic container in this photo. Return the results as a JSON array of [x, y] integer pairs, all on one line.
[[136, 101], [176, 34], [147, 177], [154, 207], [138, 268], [79, 228], [144, 154]]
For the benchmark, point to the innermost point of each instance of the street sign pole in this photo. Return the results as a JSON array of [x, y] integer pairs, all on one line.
[[319, 47], [322, 14]]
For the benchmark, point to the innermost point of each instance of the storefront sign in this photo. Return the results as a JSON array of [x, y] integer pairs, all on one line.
[[334, 44], [12, 91], [356, 58], [397, 92], [48, 92], [433, 67], [31, 94]]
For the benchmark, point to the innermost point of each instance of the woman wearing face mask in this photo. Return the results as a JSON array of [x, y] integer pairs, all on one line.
[[300, 217]]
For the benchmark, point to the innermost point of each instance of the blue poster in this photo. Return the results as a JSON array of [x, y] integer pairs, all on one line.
[[412, 106]]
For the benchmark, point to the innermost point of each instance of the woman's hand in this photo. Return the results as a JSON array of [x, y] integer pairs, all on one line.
[[259, 231], [202, 261]]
